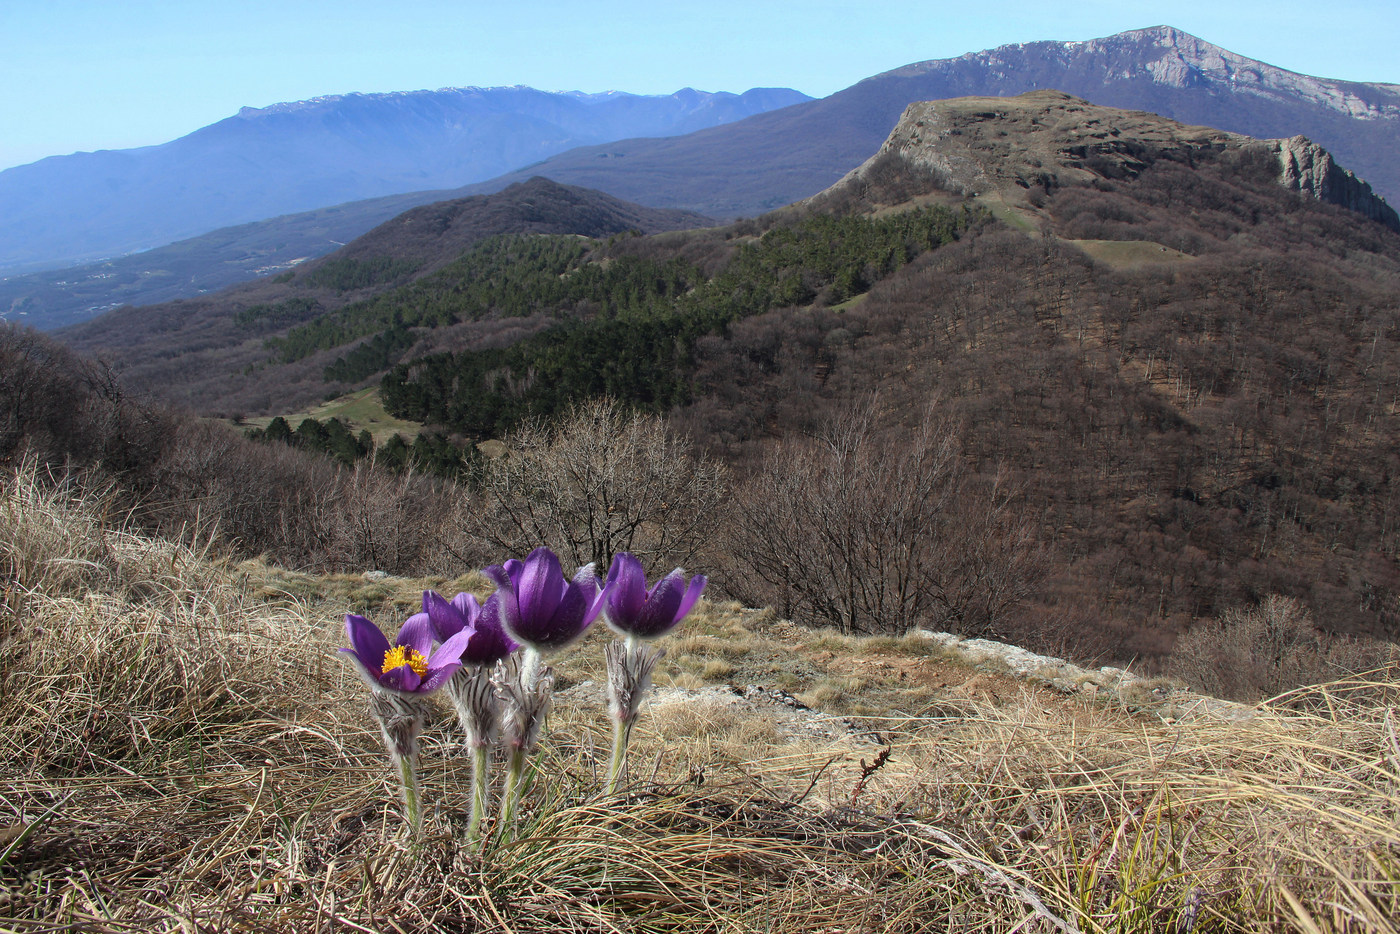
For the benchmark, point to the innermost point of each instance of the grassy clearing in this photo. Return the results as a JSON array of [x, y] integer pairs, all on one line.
[[180, 750], [850, 303], [1128, 254], [1018, 215], [360, 411]]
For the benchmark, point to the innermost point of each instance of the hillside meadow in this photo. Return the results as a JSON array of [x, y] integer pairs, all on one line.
[[182, 750]]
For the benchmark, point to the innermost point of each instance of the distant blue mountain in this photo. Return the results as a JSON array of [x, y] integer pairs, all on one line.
[[310, 154]]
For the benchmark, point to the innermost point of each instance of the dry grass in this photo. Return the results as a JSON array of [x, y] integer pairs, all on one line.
[[180, 751]]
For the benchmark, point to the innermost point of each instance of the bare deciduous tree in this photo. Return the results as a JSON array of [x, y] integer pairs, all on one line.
[[880, 534], [601, 481]]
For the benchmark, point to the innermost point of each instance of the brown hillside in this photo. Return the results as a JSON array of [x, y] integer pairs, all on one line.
[[1186, 375], [1191, 434]]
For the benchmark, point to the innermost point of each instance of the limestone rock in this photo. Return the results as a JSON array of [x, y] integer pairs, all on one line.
[[1309, 168]]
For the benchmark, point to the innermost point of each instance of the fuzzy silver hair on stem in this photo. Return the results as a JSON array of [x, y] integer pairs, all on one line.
[[474, 691], [630, 664], [399, 676], [528, 689], [401, 723], [545, 612], [639, 615]]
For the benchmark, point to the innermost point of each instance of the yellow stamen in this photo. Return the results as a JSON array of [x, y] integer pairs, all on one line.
[[401, 655]]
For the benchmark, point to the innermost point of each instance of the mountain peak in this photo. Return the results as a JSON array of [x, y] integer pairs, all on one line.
[[1169, 58]]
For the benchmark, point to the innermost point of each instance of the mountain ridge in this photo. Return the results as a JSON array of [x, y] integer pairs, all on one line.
[[298, 156], [1134, 70], [1195, 61], [996, 151], [766, 161], [1186, 370]]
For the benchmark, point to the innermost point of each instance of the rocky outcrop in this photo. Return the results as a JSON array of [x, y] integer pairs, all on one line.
[[1045, 139], [1180, 76], [1169, 702], [975, 145], [1307, 167]]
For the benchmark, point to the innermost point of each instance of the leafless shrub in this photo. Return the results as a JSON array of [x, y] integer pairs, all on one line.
[[298, 508], [874, 534], [1265, 650], [598, 482], [259, 498], [62, 407], [380, 520]]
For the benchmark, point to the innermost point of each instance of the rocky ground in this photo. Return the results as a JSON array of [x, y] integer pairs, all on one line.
[[924, 672]]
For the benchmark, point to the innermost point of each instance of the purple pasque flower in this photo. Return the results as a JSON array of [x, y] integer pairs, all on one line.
[[541, 609], [635, 612], [487, 642], [409, 665]]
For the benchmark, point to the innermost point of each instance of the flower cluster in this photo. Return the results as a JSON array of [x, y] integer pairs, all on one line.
[[489, 658]]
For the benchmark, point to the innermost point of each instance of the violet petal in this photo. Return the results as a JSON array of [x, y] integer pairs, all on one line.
[[447, 621], [417, 634], [692, 596], [466, 604], [437, 677], [540, 587], [451, 651], [367, 642], [660, 615]]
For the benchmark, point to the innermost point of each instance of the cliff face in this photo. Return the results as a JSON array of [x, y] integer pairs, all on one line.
[[1309, 168], [1043, 139], [1178, 59]]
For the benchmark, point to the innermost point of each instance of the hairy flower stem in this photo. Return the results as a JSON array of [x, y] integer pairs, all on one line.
[[408, 771], [528, 688], [481, 788], [530, 669], [629, 665], [473, 693], [400, 723], [510, 794], [622, 736]]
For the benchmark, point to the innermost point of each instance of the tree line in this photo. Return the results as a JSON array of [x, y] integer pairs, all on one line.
[[636, 320], [429, 452]]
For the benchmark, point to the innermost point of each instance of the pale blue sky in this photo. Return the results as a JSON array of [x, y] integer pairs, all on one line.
[[111, 74]]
